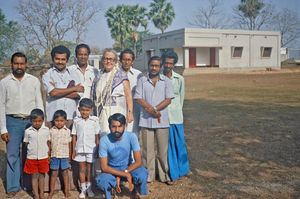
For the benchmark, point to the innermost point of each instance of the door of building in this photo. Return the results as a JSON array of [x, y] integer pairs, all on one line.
[[212, 57], [192, 57]]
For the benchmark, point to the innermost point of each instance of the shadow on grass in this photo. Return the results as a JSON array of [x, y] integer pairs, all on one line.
[[243, 149], [3, 166]]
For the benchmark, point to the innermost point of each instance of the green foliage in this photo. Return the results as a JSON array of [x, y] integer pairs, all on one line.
[[123, 21], [9, 37], [130, 42], [162, 14], [250, 8], [116, 19], [252, 14]]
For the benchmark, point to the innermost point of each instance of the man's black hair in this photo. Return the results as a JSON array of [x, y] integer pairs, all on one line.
[[117, 117], [59, 113], [35, 113], [60, 50], [153, 58], [86, 102], [82, 46], [18, 54], [169, 54], [129, 51]]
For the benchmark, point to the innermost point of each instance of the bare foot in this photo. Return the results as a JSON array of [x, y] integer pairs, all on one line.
[[67, 194], [131, 186], [50, 195]]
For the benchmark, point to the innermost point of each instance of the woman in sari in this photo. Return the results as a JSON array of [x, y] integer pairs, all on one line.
[[111, 91]]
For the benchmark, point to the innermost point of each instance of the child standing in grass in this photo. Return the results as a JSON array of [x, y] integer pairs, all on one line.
[[85, 136], [60, 151], [36, 139]]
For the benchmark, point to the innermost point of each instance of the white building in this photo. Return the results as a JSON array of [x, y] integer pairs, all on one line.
[[231, 49]]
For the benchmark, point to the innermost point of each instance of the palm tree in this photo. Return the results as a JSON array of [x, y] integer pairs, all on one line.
[[162, 14], [120, 29], [137, 17]]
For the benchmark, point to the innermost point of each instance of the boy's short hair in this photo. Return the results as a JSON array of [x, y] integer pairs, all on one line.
[[60, 50], [35, 113], [59, 113], [117, 117], [86, 102]]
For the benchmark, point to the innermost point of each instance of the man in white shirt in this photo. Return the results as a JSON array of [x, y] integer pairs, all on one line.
[[127, 58], [62, 85], [86, 72], [20, 93]]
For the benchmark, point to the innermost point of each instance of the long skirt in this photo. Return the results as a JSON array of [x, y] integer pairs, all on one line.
[[177, 154]]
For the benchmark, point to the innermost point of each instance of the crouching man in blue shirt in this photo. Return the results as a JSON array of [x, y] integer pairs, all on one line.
[[116, 160]]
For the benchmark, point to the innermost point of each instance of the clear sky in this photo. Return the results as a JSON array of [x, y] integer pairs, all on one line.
[[98, 33]]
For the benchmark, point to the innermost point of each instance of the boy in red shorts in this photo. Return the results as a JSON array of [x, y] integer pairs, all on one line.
[[36, 139]]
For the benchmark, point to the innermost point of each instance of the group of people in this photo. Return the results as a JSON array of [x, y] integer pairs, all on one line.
[[91, 114]]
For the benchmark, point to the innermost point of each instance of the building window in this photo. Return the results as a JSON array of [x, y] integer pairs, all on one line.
[[236, 52], [266, 52]]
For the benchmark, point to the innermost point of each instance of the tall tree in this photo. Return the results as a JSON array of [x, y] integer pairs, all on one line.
[[137, 17], [211, 16], [46, 22], [162, 14], [9, 37], [83, 13], [117, 20], [288, 23], [253, 14]]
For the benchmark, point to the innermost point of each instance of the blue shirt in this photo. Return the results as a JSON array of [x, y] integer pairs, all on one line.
[[154, 95], [118, 152], [60, 80]]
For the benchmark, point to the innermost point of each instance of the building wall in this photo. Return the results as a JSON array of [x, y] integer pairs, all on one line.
[[223, 40]]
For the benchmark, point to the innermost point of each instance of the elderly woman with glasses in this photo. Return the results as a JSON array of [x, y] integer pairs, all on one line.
[[111, 91]]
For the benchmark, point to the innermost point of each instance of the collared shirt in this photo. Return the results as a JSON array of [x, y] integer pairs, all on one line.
[[154, 95], [133, 76], [175, 108], [85, 130], [37, 147], [60, 80], [19, 97], [86, 78], [60, 139]]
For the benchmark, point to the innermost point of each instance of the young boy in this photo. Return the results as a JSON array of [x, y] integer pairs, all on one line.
[[85, 137], [36, 139], [60, 151]]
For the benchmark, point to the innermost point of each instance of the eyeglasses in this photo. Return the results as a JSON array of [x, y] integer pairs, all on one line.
[[109, 59], [127, 60]]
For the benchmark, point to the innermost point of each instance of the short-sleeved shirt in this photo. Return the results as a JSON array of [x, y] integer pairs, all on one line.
[[175, 108], [118, 153], [37, 147], [60, 139], [60, 80], [154, 95], [19, 97], [86, 78], [85, 130]]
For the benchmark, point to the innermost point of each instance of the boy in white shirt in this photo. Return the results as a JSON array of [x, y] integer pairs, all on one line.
[[85, 137], [36, 139]]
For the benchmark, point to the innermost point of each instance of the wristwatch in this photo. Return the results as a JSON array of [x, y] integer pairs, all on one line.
[[126, 171], [155, 109]]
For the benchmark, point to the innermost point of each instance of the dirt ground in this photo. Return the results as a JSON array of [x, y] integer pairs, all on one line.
[[242, 135]]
